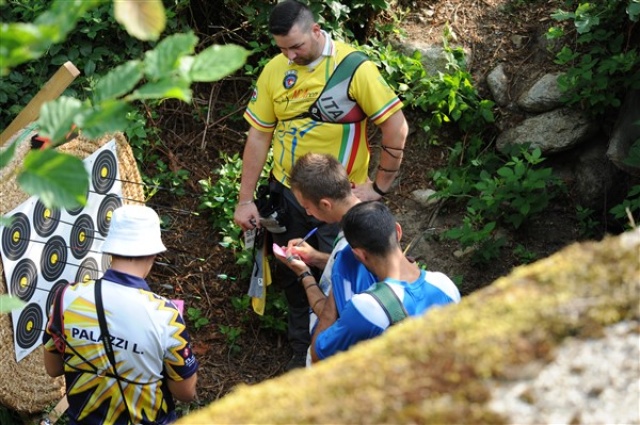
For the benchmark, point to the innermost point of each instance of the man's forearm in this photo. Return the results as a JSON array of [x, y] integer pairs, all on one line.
[[326, 317], [254, 158], [394, 135]]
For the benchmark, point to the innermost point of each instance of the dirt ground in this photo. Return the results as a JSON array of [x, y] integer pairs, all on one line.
[[195, 265]]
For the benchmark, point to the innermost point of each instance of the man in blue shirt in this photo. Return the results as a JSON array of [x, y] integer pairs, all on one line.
[[321, 185], [373, 234]]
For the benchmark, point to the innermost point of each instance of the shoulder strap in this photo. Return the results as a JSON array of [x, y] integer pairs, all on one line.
[[334, 104], [345, 69], [389, 301], [106, 340]]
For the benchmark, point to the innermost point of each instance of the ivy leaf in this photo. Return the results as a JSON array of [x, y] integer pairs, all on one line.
[[59, 180], [144, 20], [57, 117], [119, 81], [108, 117], [216, 62]]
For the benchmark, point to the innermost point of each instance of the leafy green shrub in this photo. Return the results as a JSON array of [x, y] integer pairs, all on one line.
[[524, 255], [219, 199], [603, 58], [97, 45], [197, 318], [587, 224], [497, 192], [448, 98], [628, 211], [232, 335]]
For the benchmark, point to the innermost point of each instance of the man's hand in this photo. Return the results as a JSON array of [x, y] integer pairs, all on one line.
[[365, 192], [307, 253], [246, 216], [289, 259]]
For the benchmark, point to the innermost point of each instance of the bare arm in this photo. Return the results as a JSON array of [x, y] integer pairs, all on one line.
[[253, 160], [184, 390], [327, 316], [53, 363], [394, 135]]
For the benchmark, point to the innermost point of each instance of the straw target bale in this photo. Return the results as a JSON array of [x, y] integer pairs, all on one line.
[[24, 385]]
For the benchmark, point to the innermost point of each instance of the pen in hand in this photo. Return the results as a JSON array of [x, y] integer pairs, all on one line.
[[307, 236]]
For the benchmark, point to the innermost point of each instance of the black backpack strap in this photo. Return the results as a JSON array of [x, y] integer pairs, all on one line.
[[106, 340], [389, 301]]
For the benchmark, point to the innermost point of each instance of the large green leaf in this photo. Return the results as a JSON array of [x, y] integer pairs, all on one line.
[[8, 303], [144, 20], [57, 117], [119, 81], [108, 117], [20, 43], [7, 154], [216, 62], [165, 58], [59, 180], [173, 88]]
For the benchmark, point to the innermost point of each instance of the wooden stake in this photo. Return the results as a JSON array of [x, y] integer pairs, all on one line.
[[51, 90], [56, 413]]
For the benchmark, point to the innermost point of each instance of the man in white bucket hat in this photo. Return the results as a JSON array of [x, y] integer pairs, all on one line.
[[133, 374]]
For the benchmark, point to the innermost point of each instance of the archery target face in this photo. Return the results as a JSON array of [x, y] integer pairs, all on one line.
[[45, 248]]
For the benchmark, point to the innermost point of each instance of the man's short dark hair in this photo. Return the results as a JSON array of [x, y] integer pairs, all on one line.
[[288, 13], [317, 176], [371, 225]]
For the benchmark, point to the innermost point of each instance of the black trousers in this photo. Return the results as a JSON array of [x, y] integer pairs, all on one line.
[[298, 225]]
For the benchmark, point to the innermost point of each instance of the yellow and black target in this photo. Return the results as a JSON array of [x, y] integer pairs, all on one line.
[[107, 206], [105, 171], [24, 279], [29, 328], [52, 292], [45, 220], [15, 238], [106, 262], [77, 210], [82, 236], [54, 258], [88, 270]]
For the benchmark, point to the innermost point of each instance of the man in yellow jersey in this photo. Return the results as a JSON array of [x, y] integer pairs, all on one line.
[[298, 107]]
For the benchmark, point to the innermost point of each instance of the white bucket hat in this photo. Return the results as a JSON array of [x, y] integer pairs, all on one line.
[[134, 232]]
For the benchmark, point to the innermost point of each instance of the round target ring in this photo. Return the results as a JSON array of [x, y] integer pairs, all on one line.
[[45, 220], [82, 236], [77, 210], [52, 292], [104, 172], [29, 327], [15, 237], [87, 271], [54, 258], [107, 206], [24, 279], [106, 262]]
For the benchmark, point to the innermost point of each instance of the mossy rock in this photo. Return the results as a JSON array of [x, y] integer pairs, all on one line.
[[438, 368]]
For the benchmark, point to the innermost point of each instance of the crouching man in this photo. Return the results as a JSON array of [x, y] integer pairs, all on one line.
[[124, 351]]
